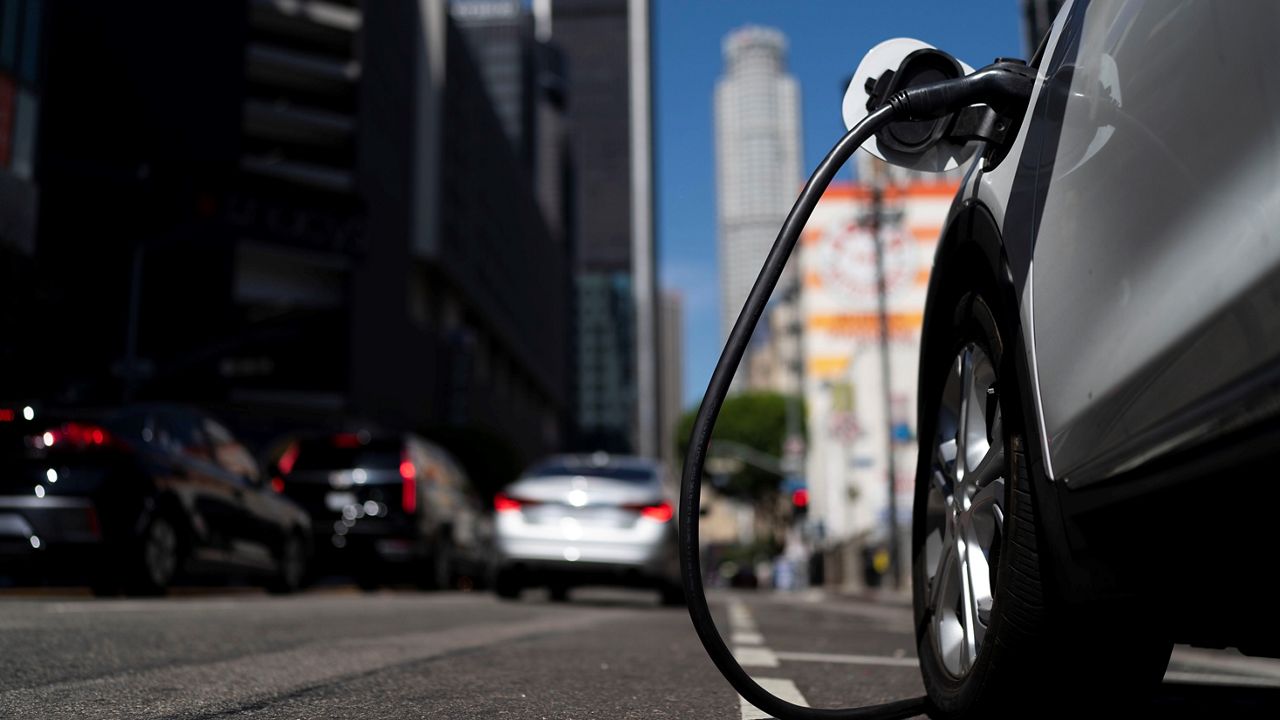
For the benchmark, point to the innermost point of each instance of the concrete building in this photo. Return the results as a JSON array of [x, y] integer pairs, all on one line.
[[849, 428], [605, 44], [308, 214], [499, 34], [758, 173]]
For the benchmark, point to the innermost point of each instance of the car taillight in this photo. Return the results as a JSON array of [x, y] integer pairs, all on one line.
[[505, 503], [661, 512], [347, 440], [73, 435], [287, 459], [409, 488], [277, 484]]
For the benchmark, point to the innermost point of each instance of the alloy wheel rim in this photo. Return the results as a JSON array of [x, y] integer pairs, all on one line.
[[964, 516]]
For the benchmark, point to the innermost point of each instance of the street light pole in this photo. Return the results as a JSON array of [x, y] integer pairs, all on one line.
[[877, 213]]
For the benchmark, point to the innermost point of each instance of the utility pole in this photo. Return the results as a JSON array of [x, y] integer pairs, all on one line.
[[877, 214]]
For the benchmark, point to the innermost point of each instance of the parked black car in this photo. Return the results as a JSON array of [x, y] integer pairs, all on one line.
[[135, 498], [387, 507]]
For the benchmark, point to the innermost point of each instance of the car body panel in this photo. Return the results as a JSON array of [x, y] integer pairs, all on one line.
[[1148, 316], [1157, 252]]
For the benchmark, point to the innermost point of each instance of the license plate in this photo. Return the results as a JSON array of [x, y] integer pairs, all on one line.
[[335, 501]]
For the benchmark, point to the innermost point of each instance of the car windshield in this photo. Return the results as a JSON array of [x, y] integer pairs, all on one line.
[[328, 454], [611, 472]]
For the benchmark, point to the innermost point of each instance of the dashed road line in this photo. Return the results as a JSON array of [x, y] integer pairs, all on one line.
[[782, 688], [749, 656], [749, 650]]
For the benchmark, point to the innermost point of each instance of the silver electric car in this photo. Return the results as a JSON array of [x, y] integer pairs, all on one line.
[[594, 519], [1100, 370]]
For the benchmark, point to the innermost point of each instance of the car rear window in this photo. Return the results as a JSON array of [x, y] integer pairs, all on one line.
[[327, 455], [626, 474]]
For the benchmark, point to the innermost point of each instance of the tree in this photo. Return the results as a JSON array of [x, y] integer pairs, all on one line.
[[755, 419]]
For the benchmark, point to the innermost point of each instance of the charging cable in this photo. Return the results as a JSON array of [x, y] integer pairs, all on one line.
[[1006, 88]]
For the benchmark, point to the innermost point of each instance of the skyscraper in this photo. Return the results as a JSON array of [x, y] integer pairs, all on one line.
[[606, 48], [757, 110]]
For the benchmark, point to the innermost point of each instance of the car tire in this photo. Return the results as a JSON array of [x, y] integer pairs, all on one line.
[[438, 574], [507, 585], [157, 558], [559, 592], [291, 567], [993, 640]]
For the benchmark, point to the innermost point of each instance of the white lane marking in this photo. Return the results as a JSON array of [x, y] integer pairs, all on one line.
[[1195, 678], [880, 660], [784, 689], [747, 638], [740, 617], [755, 656]]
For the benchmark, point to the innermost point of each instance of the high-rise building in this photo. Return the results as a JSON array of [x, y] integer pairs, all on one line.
[[499, 34], [757, 116], [605, 44], [307, 215]]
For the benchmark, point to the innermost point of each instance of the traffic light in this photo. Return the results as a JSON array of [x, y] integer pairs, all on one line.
[[799, 502]]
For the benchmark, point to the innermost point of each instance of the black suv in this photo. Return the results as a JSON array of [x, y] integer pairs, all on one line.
[[387, 507]]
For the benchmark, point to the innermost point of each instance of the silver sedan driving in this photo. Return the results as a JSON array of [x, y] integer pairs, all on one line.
[[594, 519]]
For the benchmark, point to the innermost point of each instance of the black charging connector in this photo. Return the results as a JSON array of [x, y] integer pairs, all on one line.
[[1004, 87]]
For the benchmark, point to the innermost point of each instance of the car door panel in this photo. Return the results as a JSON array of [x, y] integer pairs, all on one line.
[[1157, 260]]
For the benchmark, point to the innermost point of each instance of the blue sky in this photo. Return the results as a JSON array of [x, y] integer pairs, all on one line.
[[827, 39]]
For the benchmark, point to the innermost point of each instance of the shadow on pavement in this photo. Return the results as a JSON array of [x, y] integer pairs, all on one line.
[[1185, 700]]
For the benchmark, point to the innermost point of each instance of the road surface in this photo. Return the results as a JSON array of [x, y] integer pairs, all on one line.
[[339, 653]]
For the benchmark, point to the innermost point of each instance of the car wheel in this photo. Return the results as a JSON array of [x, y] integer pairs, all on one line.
[[439, 571], [291, 567], [989, 635], [559, 592], [507, 585], [160, 555]]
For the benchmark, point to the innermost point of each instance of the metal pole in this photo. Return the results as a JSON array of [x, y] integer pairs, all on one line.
[[877, 211]]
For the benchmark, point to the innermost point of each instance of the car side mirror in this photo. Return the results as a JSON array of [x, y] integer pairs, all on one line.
[[889, 68]]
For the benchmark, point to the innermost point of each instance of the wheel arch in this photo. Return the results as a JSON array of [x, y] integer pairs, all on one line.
[[971, 256]]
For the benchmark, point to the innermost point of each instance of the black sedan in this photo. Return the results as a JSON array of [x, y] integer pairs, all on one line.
[[136, 498]]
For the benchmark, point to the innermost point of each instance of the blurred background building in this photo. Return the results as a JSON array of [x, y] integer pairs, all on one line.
[[757, 117], [850, 430], [613, 267], [328, 213]]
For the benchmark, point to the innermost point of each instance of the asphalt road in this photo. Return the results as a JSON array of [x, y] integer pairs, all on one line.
[[616, 655]]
